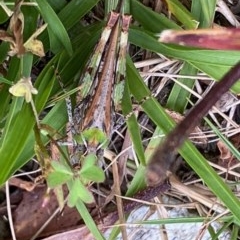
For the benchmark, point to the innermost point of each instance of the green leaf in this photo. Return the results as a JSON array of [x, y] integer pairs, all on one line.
[[20, 122], [56, 118], [4, 80], [182, 14], [4, 48], [234, 232], [89, 161], [132, 123], [188, 151], [95, 136], [204, 12], [94, 173], [229, 145], [55, 25], [31, 17], [55, 179], [61, 168], [85, 215], [79, 191], [84, 212], [57, 5], [3, 15], [178, 98], [149, 19], [76, 9]]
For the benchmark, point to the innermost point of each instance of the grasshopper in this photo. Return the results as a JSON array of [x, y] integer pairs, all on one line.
[[93, 115]]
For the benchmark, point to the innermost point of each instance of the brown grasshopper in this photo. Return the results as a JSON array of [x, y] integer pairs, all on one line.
[[93, 115]]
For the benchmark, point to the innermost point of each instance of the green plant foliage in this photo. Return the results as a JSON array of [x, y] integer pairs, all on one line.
[[57, 178], [79, 191], [70, 43], [182, 14], [89, 170], [56, 28], [76, 179]]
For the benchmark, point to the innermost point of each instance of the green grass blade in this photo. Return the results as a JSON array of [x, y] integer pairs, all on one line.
[[3, 15], [21, 122], [204, 12], [20, 126], [4, 48], [213, 63], [4, 80], [87, 218], [132, 124], [229, 145], [57, 119], [110, 6], [57, 5], [76, 9], [226, 219], [83, 211], [138, 183], [178, 98], [197, 162], [31, 18], [149, 19], [182, 14], [12, 75], [55, 25], [235, 232]]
